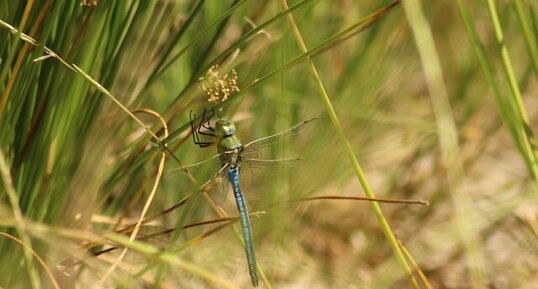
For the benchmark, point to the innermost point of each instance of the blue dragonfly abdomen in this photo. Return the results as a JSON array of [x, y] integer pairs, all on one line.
[[233, 177]]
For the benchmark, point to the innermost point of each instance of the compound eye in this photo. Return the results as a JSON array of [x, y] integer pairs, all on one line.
[[225, 127]]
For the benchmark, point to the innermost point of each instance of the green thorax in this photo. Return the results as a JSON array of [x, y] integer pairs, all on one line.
[[227, 141]]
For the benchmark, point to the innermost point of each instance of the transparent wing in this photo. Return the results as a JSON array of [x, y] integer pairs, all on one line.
[[212, 183], [256, 147], [264, 163], [218, 174], [212, 164]]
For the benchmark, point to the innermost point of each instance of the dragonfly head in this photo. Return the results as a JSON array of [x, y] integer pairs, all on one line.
[[224, 127]]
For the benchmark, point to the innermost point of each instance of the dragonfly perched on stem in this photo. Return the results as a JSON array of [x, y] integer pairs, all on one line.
[[231, 155]]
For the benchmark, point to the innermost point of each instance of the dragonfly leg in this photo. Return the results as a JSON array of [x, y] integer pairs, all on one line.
[[198, 142], [211, 133], [206, 124], [197, 130]]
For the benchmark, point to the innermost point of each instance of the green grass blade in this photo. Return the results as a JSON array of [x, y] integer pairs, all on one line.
[[448, 138], [530, 41], [9, 190], [350, 154], [525, 132]]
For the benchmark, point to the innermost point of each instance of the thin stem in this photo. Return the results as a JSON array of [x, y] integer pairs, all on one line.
[[349, 151], [448, 139], [529, 144]]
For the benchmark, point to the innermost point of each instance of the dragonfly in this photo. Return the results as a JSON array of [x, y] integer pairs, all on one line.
[[231, 156]]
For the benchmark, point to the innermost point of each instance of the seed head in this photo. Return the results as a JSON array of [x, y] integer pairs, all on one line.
[[217, 86]]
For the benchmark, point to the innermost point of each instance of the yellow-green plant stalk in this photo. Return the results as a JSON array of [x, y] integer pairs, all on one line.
[[448, 139], [349, 151], [525, 133]]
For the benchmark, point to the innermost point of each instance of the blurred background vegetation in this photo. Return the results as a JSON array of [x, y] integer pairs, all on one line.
[[451, 124]]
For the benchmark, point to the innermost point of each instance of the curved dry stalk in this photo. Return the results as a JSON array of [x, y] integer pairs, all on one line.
[[226, 221], [21, 226], [150, 197], [350, 198], [38, 258]]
